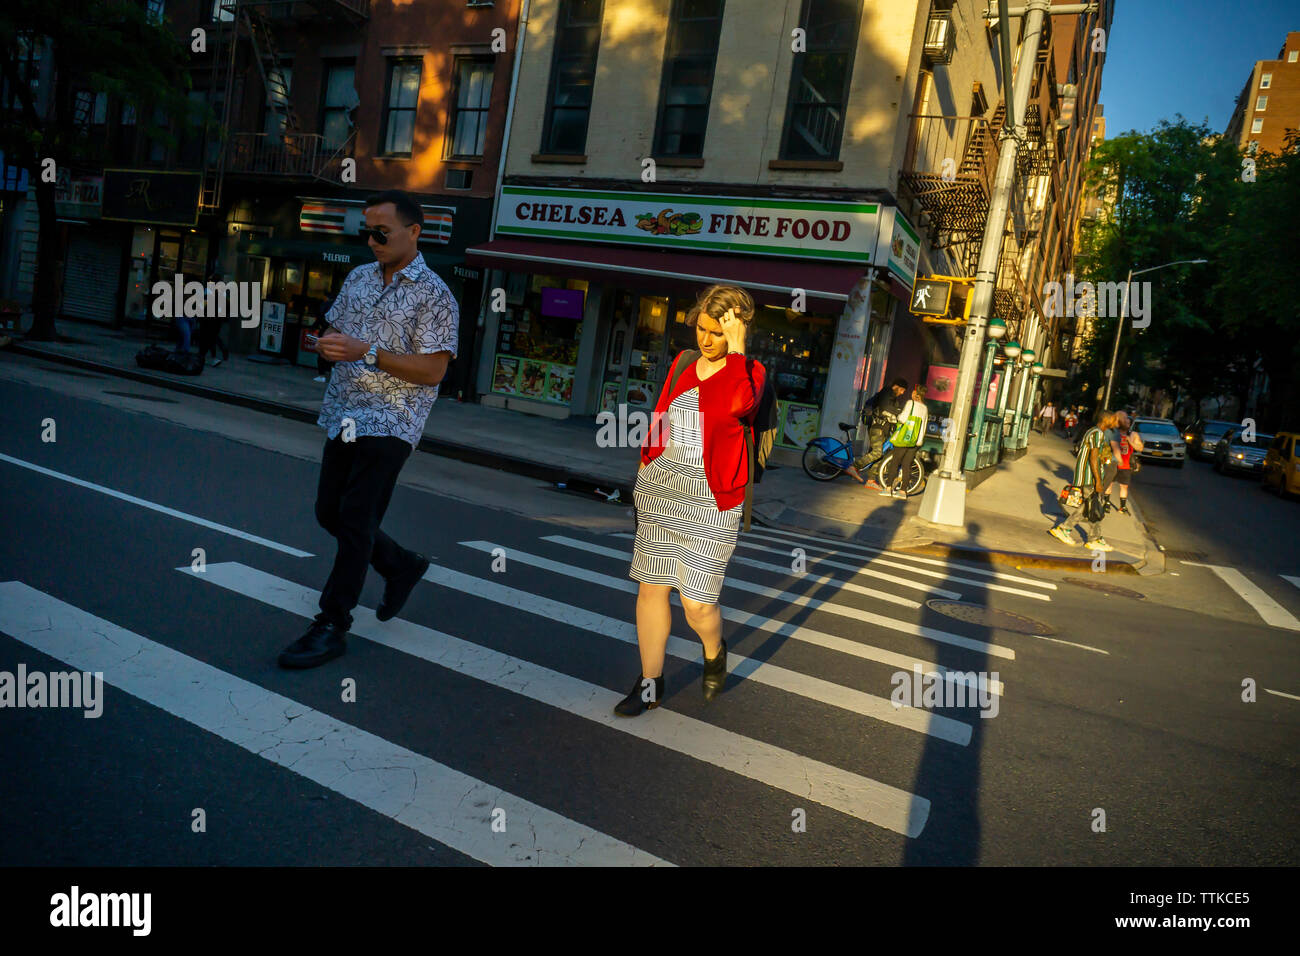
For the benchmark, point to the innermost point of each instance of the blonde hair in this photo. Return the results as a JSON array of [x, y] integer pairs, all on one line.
[[716, 300]]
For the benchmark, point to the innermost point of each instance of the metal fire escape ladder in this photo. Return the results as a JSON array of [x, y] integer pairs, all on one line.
[[225, 45], [264, 50]]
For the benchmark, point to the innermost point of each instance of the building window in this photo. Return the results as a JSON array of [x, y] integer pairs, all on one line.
[[278, 81], [1260, 103], [153, 11], [1257, 125], [1291, 57], [687, 82], [1266, 81], [158, 148], [819, 83], [471, 96], [339, 101], [399, 116], [223, 11], [460, 178], [573, 74]]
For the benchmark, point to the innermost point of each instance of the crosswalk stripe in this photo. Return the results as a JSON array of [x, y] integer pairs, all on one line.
[[924, 587], [863, 569], [868, 800], [433, 799], [757, 620], [1293, 579], [849, 548], [161, 509], [747, 668], [1250, 592], [789, 597]]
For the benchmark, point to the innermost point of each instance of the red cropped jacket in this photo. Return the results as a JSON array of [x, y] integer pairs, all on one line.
[[728, 399]]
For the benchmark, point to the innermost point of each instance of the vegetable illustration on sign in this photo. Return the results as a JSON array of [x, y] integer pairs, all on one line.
[[666, 223]]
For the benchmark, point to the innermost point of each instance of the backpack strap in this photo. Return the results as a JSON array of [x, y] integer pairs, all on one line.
[[684, 358], [749, 485]]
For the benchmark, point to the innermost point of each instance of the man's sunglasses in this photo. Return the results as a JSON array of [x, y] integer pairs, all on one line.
[[378, 235]]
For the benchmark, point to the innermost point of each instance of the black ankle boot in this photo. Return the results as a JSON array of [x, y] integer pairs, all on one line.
[[715, 673], [635, 702]]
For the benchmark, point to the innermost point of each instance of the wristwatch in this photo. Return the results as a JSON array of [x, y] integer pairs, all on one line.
[[372, 356]]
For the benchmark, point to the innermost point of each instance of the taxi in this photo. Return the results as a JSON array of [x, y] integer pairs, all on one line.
[[1282, 464]]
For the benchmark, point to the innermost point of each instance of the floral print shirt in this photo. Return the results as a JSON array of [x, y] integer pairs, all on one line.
[[415, 314]]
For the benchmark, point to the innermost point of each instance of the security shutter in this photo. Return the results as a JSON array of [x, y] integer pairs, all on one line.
[[90, 276]]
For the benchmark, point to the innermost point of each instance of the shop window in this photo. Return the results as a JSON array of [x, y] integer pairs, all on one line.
[[795, 348], [537, 339]]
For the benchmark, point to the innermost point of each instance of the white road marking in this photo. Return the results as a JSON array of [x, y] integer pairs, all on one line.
[[868, 800], [1293, 579], [433, 799], [813, 688], [1267, 608], [758, 621], [789, 597], [848, 550], [864, 569], [1278, 693], [162, 509], [855, 568], [1057, 640]]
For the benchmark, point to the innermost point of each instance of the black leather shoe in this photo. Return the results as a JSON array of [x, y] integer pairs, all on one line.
[[635, 702], [321, 643], [715, 673], [398, 589]]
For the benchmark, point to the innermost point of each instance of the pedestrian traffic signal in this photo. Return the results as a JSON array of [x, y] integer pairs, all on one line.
[[931, 297]]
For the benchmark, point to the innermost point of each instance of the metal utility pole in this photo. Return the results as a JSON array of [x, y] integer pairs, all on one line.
[[945, 493]]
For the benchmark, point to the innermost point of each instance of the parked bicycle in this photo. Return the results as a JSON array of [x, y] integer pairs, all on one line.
[[826, 458]]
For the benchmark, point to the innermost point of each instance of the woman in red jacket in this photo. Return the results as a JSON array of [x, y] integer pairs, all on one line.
[[690, 491]]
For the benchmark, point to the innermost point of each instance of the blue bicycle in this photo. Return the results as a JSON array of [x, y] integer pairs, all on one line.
[[826, 458]]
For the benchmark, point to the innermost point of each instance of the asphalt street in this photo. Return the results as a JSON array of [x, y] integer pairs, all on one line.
[[170, 543]]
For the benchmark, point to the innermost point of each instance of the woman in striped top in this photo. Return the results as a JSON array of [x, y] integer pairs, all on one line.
[[690, 491]]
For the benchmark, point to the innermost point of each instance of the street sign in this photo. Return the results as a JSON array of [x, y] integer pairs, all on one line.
[[930, 296]]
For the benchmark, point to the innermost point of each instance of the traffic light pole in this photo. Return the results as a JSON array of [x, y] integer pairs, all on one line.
[[945, 493]]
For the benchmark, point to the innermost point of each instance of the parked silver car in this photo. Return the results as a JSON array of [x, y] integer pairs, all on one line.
[[1234, 453], [1161, 441]]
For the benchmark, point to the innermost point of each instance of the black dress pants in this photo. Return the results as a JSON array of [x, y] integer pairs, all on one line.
[[356, 482], [900, 466]]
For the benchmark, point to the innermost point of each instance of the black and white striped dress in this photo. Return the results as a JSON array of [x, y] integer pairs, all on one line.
[[682, 539]]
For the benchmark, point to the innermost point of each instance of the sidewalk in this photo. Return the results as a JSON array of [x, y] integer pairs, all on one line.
[[1007, 515]]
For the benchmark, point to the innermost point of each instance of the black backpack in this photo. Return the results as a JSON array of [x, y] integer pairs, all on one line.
[[760, 432]]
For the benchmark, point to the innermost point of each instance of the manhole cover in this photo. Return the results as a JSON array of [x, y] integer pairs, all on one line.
[[143, 398], [989, 617], [1106, 586]]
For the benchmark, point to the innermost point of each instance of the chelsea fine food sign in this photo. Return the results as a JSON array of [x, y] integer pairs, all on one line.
[[814, 230]]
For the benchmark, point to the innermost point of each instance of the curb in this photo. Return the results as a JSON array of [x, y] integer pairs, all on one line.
[[553, 474], [1021, 559]]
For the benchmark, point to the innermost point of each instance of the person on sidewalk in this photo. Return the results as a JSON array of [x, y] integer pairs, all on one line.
[[1129, 442], [1046, 418], [396, 324], [1094, 470], [323, 365], [690, 491], [880, 414], [907, 438], [210, 331]]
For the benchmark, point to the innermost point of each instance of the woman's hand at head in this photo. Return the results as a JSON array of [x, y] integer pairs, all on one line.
[[733, 329]]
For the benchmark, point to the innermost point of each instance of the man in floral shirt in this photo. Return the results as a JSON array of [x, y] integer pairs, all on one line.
[[392, 332]]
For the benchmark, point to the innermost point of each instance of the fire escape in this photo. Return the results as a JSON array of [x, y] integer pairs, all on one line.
[[949, 170], [289, 151]]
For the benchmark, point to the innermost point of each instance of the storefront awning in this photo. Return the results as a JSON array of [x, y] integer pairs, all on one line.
[[768, 280], [345, 253]]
